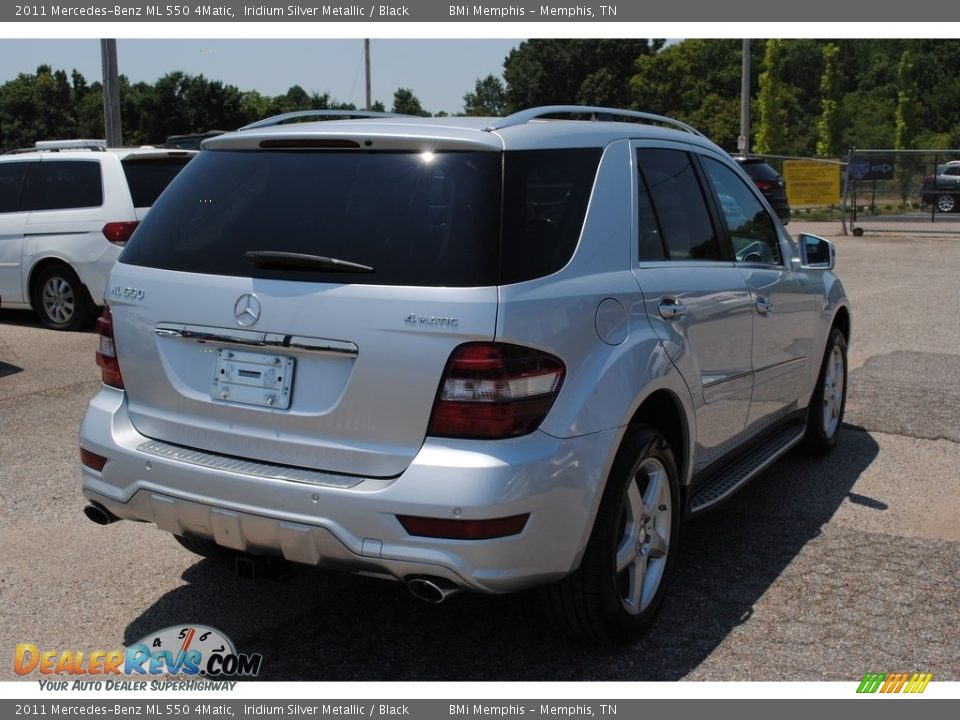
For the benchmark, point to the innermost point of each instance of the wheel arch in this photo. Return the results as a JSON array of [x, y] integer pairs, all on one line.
[[663, 411], [841, 321], [41, 265]]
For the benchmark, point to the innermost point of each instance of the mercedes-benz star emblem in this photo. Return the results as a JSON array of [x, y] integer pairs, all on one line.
[[247, 309]]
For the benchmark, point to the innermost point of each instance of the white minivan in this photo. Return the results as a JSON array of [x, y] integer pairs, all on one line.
[[66, 210]]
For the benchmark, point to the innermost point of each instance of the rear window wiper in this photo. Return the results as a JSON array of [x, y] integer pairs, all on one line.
[[276, 260]]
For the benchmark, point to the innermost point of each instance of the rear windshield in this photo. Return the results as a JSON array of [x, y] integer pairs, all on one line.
[[759, 171], [415, 218], [148, 178]]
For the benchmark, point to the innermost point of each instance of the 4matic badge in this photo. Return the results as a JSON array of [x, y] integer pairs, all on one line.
[[415, 320]]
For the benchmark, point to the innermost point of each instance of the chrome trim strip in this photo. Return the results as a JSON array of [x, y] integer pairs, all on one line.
[[711, 381], [253, 468], [202, 333], [780, 365]]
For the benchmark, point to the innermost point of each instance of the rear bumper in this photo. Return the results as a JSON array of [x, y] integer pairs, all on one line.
[[555, 481]]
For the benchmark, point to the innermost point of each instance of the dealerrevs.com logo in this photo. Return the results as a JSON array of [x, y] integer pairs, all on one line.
[[195, 650], [894, 683]]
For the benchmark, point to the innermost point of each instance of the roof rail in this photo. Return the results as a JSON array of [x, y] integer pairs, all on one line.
[[597, 114], [320, 115], [58, 145], [78, 144]]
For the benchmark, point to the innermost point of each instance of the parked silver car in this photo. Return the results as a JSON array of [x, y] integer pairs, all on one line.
[[483, 354]]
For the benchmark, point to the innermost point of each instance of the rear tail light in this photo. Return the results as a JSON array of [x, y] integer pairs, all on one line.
[[119, 232], [107, 354], [493, 390], [765, 185]]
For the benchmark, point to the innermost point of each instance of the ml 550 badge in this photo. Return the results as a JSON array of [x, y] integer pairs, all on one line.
[[127, 293], [176, 650]]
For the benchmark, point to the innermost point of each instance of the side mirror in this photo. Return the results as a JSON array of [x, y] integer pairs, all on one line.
[[816, 252]]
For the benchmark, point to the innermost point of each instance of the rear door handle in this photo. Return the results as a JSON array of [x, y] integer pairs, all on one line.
[[671, 308], [763, 306]]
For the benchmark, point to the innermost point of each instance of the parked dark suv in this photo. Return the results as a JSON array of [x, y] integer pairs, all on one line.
[[770, 183], [942, 190]]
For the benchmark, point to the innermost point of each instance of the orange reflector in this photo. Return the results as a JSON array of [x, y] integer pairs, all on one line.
[[92, 460]]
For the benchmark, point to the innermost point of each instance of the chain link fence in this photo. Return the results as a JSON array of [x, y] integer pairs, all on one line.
[[814, 186], [902, 190]]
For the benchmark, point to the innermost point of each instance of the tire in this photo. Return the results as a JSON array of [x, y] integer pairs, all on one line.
[[946, 203], [858, 232], [205, 548], [60, 299], [825, 414], [616, 592]]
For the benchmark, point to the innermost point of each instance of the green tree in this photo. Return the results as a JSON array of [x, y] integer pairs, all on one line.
[[564, 72], [406, 103], [773, 99], [489, 98], [829, 126], [36, 107], [907, 100], [906, 121], [696, 81]]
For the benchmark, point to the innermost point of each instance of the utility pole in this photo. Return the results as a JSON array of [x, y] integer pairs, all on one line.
[[743, 142], [111, 93], [366, 61]]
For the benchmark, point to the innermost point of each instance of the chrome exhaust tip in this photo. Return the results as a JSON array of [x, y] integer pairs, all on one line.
[[99, 514], [431, 589]]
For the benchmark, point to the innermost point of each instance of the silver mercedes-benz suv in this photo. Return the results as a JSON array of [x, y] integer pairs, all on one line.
[[463, 353]]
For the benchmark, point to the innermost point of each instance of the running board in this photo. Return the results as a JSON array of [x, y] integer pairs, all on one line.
[[734, 476]]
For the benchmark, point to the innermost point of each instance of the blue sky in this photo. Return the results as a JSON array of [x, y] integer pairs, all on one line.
[[438, 71]]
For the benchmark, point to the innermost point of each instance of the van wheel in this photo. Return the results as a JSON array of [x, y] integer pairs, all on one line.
[[616, 592], [60, 299], [825, 414]]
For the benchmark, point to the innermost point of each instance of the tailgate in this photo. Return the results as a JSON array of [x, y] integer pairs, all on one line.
[[299, 307], [335, 378]]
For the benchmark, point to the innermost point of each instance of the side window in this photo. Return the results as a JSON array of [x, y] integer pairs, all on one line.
[[651, 243], [11, 182], [752, 230], [545, 197], [63, 184], [678, 206]]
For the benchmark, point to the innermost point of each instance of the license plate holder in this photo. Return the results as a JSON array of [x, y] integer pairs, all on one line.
[[253, 378]]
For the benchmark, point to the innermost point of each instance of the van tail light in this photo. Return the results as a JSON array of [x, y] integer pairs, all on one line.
[[107, 353], [493, 390], [765, 185], [119, 232]]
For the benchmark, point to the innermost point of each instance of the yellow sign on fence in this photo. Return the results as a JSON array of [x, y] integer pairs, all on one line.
[[812, 183]]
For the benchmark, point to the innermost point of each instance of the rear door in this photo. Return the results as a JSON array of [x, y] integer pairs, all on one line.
[[695, 298], [13, 221], [282, 359]]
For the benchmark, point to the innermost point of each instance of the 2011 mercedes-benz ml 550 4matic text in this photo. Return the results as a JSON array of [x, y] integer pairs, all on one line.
[[482, 354]]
